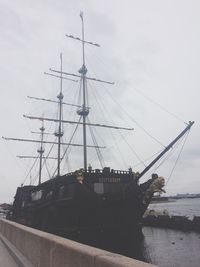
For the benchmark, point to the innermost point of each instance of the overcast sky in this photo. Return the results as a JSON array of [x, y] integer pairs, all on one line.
[[149, 48]]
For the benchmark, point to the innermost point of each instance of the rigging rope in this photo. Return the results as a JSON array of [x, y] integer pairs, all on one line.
[[122, 136], [110, 131], [175, 164], [47, 170], [106, 67], [76, 99], [134, 152], [99, 155], [79, 93], [172, 151], [87, 98], [159, 105], [142, 128], [69, 143], [169, 155], [30, 170], [44, 162], [147, 159], [66, 162]]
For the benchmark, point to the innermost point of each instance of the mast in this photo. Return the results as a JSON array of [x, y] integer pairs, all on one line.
[[41, 151], [84, 111], [189, 125], [59, 134]]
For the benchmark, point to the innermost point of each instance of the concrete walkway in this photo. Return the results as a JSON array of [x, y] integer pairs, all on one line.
[[6, 260]]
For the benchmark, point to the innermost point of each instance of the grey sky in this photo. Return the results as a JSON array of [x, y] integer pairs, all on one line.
[[148, 48]]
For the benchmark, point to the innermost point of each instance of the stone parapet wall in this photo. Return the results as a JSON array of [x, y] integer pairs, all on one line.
[[47, 250]]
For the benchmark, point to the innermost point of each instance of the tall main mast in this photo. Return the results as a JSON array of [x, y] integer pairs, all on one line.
[[59, 134], [41, 151], [83, 111]]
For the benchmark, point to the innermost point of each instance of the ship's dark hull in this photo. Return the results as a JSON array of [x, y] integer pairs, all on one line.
[[105, 206], [87, 220]]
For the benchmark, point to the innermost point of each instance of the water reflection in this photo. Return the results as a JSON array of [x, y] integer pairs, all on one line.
[[162, 247], [130, 246], [167, 248]]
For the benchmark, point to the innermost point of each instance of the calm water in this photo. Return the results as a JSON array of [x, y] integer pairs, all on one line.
[[172, 248], [165, 247], [186, 207]]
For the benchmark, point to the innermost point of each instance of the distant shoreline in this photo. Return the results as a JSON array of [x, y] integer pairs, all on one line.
[[184, 197]]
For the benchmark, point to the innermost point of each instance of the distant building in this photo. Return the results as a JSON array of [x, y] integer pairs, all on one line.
[[187, 195], [4, 206]]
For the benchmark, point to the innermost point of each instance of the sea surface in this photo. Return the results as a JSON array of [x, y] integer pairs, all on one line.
[[173, 248], [164, 247], [187, 207]]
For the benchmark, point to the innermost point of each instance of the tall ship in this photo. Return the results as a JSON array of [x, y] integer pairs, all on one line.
[[88, 203]]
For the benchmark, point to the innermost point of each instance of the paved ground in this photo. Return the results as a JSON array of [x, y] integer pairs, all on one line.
[[6, 259]]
